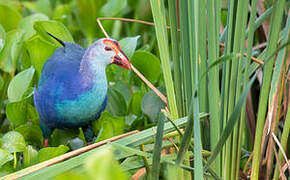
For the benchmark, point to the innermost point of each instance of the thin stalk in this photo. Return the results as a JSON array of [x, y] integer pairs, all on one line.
[[157, 148], [175, 56], [161, 34], [184, 37], [213, 83], [267, 74], [246, 72], [242, 16], [226, 86]]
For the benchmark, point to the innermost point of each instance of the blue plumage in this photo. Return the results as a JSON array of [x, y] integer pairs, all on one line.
[[72, 88]]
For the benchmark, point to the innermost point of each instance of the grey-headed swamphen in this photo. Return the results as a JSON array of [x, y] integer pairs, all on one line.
[[72, 88]]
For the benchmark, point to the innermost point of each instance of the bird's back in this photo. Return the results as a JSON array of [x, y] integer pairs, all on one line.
[[57, 97]]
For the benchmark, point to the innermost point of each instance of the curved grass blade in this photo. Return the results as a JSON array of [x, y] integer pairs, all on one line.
[[231, 123]]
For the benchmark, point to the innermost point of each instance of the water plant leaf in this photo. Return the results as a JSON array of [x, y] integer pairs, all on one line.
[[11, 50], [9, 17], [116, 103], [19, 84], [152, 104], [5, 157], [55, 28], [13, 142], [51, 152], [27, 23], [39, 51], [129, 45], [113, 7], [148, 64], [30, 156], [31, 133], [108, 126]]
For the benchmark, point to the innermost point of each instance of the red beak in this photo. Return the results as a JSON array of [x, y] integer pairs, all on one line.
[[122, 60]]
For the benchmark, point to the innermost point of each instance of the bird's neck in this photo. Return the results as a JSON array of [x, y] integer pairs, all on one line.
[[92, 72]]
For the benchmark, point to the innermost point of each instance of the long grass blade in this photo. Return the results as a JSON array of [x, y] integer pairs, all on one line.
[[233, 119], [158, 12], [267, 73]]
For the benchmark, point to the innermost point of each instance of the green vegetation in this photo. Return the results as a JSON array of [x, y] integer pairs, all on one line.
[[223, 65]]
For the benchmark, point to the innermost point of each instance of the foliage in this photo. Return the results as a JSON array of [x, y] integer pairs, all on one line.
[[205, 69]]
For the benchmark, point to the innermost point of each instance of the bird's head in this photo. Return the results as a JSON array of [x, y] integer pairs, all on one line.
[[110, 52]]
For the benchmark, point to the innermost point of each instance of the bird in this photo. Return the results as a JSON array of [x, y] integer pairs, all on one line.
[[72, 87]]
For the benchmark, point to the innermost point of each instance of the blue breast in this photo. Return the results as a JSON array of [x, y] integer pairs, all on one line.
[[65, 97]]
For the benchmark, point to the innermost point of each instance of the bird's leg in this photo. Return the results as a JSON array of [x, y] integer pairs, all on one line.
[[88, 133], [45, 143], [46, 131]]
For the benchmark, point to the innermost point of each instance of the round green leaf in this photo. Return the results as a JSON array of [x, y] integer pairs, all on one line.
[[27, 23], [32, 134], [13, 142], [39, 51], [9, 18], [128, 45], [152, 104], [16, 112], [19, 84], [116, 103], [147, 64], [135, 103], [108, 126], [4, 157], [55, 28], [51, 152], [113, 7], [30, 156], [11, 50]]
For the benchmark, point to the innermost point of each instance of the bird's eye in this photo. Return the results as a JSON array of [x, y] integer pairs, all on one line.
[[108, 49]]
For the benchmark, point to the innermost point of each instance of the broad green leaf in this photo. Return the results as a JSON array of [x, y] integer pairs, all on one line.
[[27, 23], [148, 64], [16, 112], [55, 28], [6, 169], [2, 37], [108, 126], [88, 20], [32, 134], [51, 152], [4, 157], [30, 156], [116, 103], [13, 142], [60, 136], [152, 104], [9, 17], [11, 50], [63, 13], [128, 45], [113, 7], [135, 103], [39, 51], [19, 85], [40, 6], [122, 88], [102, 165]]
